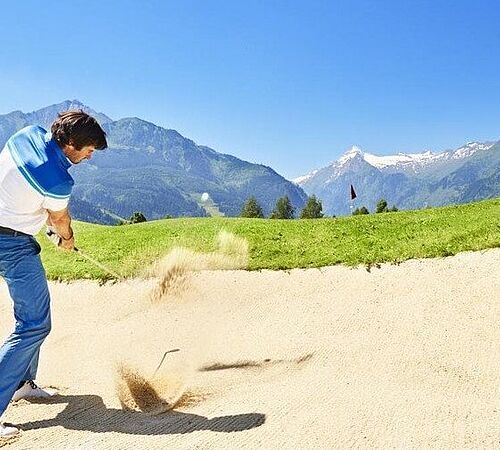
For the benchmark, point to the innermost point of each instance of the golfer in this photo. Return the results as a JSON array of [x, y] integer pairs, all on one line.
[[35, 188]]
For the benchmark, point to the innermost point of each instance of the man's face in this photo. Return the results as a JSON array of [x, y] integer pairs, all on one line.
[[77, 156]]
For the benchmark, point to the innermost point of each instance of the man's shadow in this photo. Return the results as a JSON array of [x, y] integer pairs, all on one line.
[[89, 413]]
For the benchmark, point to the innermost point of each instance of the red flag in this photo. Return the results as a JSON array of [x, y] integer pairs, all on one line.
[[353, 194]]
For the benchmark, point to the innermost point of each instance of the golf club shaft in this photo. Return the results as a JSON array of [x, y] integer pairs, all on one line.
[[163, 359], [98, 264]]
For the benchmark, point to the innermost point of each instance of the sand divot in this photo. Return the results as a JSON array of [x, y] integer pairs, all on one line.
[[144, 382], [155, 395], [174, 270], [150, 373]]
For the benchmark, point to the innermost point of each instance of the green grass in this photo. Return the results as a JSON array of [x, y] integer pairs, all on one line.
[[285, 244]]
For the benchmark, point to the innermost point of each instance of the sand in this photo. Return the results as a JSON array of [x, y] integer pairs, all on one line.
[[399, 357]]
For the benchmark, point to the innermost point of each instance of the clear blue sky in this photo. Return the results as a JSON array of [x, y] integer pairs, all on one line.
[[290, 84]]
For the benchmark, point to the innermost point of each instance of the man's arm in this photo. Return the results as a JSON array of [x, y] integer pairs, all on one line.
[[61, 222]]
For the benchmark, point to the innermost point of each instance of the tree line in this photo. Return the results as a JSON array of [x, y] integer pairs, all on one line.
[[312, 210], [381, 207], [283, 210]]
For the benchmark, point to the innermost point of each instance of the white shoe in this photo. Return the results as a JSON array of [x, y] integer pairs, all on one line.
[[7, 432], [30, 390]]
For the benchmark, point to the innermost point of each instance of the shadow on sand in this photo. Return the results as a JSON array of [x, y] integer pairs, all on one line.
[[89, 413]]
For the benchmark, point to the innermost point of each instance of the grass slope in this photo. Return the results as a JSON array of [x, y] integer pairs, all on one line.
[[285, 244]]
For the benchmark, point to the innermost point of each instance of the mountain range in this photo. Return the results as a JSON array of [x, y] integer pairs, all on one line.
[[408, 181], [157, 171], [161, 173]]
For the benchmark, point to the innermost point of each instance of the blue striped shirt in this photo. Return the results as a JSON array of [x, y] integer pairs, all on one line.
[[41, 162]]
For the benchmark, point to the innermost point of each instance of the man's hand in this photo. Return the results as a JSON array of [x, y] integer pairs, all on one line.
[[58, 241], [60, 223], [67, 244]]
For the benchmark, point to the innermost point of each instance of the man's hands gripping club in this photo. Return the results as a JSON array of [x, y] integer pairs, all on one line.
[[59, 230], [59, 226]]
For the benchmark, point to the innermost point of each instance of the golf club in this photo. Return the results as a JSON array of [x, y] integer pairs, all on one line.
[[99, 265], [53, 237]]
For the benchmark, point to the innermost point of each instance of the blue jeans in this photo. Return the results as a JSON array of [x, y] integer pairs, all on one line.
[[22, 269]]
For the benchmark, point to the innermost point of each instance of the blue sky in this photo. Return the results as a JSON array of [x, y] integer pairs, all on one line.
[[290, 84]]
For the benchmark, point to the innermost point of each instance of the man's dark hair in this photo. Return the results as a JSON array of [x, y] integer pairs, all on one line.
[[79, 129]]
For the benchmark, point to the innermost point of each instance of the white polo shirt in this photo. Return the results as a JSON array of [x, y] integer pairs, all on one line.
[[34, 178]]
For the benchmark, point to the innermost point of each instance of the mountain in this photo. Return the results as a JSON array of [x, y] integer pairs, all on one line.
[[14, 121], [409, 181], [157, 171]]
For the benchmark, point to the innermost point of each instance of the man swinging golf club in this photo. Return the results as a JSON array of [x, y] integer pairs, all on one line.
[[35, 188]]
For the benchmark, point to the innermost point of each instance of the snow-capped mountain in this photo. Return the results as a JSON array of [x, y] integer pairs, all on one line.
[[410, 180], [304, 178], [470, 148], [402, 162]]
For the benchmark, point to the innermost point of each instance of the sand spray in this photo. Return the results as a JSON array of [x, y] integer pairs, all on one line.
[[154, 381]]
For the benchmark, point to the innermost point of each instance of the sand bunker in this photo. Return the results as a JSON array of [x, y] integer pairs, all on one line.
[[404, 357]]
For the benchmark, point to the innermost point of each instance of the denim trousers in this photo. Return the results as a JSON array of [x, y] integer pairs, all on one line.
[[22, 269]]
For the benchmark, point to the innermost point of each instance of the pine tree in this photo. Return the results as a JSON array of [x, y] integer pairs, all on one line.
[[360, 211], [137, 217], [313, 209], [283, 209], [381, 206], [252, 209]]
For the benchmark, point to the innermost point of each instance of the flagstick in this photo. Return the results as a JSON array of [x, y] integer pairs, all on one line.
[[353, 196]]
